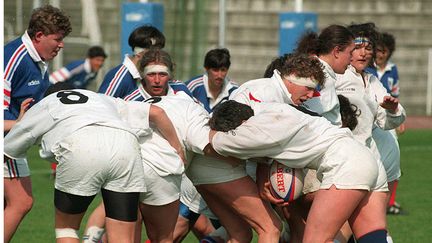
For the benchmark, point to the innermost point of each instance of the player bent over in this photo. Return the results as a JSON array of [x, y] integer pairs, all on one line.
[[347, 191], [94, 138]]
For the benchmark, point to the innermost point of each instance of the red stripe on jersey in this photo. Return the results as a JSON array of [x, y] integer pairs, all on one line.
[[13, 60], [62, 74], [5, 103], [12, 167], [115, 79], [7, 92], [316, 94], [194, 83], [253, 98]]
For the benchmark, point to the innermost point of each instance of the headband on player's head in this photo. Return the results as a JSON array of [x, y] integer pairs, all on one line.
[[155, 68], [361, 40], [138, 50], [308, 82]]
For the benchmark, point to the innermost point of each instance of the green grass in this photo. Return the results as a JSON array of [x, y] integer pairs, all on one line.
[[414, 194]]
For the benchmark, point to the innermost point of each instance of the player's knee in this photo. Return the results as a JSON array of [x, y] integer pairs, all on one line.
[[66, 233], [23, 206]]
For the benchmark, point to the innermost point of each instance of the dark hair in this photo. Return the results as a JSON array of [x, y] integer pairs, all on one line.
[[96, 51], [229, 115], [158, 56], [146, 36], [58, 87], [217, 58], [49, 20], [299, 64], [349, 113], [389, 41], [367, 30], [329, 38]]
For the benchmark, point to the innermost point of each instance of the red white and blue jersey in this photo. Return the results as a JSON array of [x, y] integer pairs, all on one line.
[[78, 73], [389, 77], [25, 75], [199, 88], [121, 80]]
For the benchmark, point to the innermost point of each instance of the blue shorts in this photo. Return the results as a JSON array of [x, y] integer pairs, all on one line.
[[188, 214]]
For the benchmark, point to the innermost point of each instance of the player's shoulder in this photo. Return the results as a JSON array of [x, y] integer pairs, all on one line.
[[75, 63], [195, 82]]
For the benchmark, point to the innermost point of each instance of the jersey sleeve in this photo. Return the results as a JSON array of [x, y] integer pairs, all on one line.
[[197, 134], [60, 75], [385, 119], [35, 123]]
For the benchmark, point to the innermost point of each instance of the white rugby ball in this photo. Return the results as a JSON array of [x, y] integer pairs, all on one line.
[[286, 183]]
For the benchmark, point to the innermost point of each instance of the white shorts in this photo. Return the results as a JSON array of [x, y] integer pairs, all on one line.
[[96, 157], [161, 190], [15, 168], [190, 197], [311, 182], [347, 164], [209, 170], [388, 148]]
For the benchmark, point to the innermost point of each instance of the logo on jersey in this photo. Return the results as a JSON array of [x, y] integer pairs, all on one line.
[[33, 83]]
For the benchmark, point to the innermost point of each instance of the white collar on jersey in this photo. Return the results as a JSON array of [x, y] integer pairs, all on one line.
[[131, 67]]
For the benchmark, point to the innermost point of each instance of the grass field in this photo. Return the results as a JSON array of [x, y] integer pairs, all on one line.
[[414, 194]]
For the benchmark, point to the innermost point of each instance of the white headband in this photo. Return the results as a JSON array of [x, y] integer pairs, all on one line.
[[154, 68], [308, 82], [137, 50]]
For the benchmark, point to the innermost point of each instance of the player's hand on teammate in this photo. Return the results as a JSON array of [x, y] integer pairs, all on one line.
[[390, 103], [25, 105]]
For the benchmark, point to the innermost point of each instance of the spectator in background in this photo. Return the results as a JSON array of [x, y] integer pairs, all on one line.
[[25, 81], [80, 73], [213, 87], [387, 73]]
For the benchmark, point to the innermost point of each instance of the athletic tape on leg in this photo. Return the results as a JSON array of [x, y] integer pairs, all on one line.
[[93, 234], [66, 233]]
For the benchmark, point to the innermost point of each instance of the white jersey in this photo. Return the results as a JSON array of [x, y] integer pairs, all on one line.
[[303, 142], [60, 114], [327, 103], [263, 90], [367, 93], [190, 121]]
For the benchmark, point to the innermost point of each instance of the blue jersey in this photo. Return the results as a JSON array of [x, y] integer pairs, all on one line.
[[389, 78], [121, 80], [25, 75], [198, 86], [77, 73]]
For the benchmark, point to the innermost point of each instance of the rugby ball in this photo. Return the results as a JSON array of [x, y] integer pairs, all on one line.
[[286, 183]]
